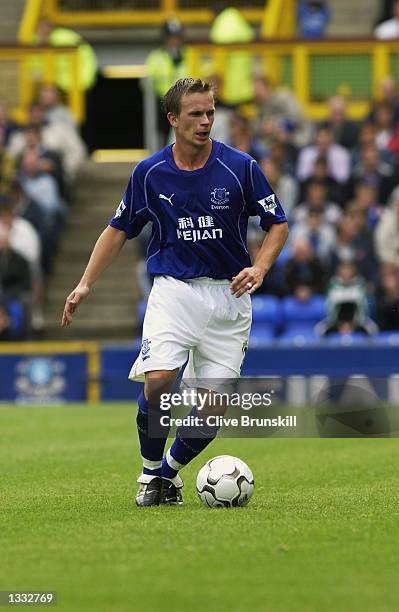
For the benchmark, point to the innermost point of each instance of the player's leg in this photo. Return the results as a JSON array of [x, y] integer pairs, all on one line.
[[215, 361], [152, 443], [168, 335]]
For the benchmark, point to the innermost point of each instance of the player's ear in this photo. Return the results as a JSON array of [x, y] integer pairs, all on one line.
[[173, 120]]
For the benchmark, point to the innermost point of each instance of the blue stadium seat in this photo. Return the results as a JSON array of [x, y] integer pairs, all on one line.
[[356, 338], [16, 312], [299, 337], [261, 333], [300, 316], [266, 309], [387, 337]]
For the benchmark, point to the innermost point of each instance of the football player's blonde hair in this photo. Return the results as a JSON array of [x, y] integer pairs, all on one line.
[[184, 87]]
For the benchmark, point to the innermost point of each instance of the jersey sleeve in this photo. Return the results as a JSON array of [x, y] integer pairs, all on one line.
[[261, 199], [132, 214]]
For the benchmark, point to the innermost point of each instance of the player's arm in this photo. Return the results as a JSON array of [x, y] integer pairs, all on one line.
[[250, 279], [105, 250]]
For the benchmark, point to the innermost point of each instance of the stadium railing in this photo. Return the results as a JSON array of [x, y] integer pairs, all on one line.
[[99, 13], [313, 70], [24, 61]]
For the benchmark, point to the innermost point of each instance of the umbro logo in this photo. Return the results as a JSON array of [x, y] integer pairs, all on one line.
[[269, 204], [164, 197]]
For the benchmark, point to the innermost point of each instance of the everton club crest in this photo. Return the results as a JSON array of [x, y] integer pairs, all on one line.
[[219, 196]]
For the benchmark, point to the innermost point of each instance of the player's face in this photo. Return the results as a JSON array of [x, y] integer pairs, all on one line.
[[193, 124]]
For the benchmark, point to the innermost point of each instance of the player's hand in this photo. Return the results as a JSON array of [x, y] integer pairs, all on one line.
[[247, 281], [72, 302]]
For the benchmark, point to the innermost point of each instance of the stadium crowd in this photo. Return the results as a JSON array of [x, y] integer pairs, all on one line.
[[338, 182], [38, 164]]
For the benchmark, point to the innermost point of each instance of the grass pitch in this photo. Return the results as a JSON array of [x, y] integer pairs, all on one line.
[[321, 532]]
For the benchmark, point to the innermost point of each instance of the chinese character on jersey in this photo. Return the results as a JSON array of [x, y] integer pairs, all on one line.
[[185, 222], [205, 221]]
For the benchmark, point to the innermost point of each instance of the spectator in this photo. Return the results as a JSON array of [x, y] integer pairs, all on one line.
[[15, 276], [389, 30], [345, 132], [320, 236], [42, 188], [55, 111], [335, 191], [164, 66], [7, 164], [347, 305], [387, 235], [316, 200], [282, 183], [338, 158], [383, 118], [5, 323], [389, 95], [56, 137], [388, 298], [25, 240], [242, 137], [386, 7], [313, 18], [279, 115], [354, 244], [366, 200], [48, 35], [7, 126], [229, 26], [284, 155], [303, 269], [372, 170], [50, 160]]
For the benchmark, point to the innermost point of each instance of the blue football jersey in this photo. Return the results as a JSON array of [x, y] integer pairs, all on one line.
[[199, 217]]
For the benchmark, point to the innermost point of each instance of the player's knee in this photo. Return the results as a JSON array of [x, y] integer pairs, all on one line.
[[158, 383]]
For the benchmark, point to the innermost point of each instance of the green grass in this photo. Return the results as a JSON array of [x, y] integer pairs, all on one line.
[[321, 532]]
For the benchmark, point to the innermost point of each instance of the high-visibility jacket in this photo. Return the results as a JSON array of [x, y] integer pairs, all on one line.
[[63, 37], [231, 27], [162, 70]]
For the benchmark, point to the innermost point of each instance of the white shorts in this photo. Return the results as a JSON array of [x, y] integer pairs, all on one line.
[[197, 319]]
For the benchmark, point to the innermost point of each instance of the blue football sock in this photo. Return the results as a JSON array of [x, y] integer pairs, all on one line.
[[151, 447], [189, 442]]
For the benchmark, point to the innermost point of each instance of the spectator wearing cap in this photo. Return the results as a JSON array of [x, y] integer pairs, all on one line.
[[165, 65]]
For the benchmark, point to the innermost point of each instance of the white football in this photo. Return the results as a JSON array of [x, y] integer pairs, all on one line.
[[225, 481]]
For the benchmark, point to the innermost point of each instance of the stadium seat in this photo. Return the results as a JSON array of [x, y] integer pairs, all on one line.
[[300, 316], [356, 338], [261, 333], [299, 337], [16, 312], [387, 337], [266, 309]]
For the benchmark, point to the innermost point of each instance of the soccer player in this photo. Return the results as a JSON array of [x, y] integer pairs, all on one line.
[[198, 194]]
